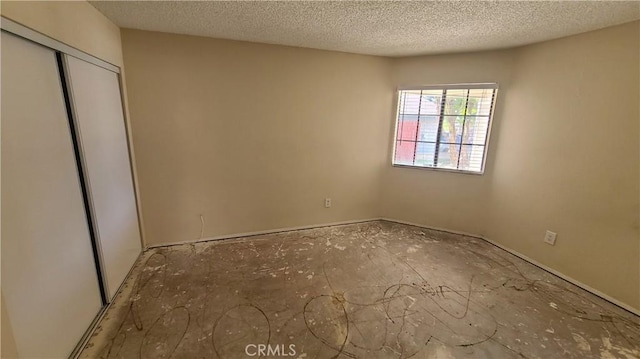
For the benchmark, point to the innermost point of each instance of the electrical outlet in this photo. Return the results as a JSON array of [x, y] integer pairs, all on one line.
[[327, 203], [550, 238]]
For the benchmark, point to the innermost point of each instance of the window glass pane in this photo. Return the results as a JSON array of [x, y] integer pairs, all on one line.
[[443, 128], [451, 129], [409, 102], [445, 156], [475, 130], [480, 102], [425, 153], [407, 127], [471, 158], [456, 102], [428, 128], [404, 152], [431, 102]]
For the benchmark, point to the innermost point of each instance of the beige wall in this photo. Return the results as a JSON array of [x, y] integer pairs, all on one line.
[[76, 23], [7, 343], [567, 159], [253, 136], [564, 156], [437, 198]]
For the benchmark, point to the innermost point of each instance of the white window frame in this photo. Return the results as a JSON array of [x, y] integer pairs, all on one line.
[[463, 86]]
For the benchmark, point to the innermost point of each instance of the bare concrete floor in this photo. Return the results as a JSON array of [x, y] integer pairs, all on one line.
[[371, 290]]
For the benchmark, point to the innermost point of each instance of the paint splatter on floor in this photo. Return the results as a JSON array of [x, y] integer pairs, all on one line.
[[370, 290]]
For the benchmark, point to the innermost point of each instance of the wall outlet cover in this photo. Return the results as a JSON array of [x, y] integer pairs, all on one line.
[[550, 238]]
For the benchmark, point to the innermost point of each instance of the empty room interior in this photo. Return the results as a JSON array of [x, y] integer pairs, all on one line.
[[320, 179]]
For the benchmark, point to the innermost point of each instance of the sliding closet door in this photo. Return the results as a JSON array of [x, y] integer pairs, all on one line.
[[49, 277], [95, 94]]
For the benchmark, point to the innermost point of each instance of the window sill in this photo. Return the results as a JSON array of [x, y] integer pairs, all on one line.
[[439, 169]]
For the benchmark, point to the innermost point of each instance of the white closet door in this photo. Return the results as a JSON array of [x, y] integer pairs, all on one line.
[[49, 278], [95, 94]]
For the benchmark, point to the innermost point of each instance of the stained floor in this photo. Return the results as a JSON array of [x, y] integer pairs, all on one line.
[[369, 290]]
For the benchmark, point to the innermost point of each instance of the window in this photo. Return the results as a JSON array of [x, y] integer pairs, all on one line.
[[444, 127]]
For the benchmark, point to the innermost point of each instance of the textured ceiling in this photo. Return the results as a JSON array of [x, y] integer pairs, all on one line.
[[389, 28]]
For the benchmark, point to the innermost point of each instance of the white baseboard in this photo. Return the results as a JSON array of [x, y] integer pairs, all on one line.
[[531, 261], [509, 250], [259, 233], [432, 228], [567, 278]]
